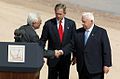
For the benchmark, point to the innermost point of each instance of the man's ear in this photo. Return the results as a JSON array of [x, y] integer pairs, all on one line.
[[91, 20]]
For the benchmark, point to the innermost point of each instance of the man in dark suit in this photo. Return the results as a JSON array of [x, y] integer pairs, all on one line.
[[58, 31], [27, 33], [93, 51]]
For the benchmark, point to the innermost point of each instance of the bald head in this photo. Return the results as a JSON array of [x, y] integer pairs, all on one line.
[[87, 20], [88, 15]]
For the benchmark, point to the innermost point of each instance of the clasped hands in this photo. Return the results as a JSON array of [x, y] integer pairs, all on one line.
[[58, 53]]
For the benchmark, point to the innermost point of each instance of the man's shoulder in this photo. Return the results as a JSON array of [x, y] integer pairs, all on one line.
[[70, 20], [20, 30], [80, 30], [23, 27], [50, 20], [54, 19], [100, 28], [26, 28]]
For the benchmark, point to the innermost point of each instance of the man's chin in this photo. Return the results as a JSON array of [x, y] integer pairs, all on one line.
[[59, 19]]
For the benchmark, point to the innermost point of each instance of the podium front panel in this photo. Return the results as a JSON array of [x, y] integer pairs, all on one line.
[[33, 58]]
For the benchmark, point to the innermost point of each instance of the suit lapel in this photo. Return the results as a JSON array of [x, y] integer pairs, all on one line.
[[79, 38], [66, 28], [55, 29], [82, 36]]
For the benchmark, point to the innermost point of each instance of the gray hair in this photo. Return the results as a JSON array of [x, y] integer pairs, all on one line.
[[60, 6], [32, 17], [88, 15]]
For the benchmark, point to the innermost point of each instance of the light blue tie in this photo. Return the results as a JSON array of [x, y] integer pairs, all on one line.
[[86, 36]]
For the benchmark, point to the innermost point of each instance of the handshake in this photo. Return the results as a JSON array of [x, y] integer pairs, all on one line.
[[58, 53]]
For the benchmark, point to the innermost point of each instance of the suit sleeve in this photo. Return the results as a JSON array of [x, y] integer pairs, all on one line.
[[47, 53], [44, 36], [35, 39], [70, 47], [106, 49]]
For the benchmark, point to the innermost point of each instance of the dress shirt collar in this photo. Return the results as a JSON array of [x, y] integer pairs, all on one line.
[[63, 21]]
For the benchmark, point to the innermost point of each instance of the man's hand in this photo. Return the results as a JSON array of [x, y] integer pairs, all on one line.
[[106, 69], [73, 61], [58, 53]]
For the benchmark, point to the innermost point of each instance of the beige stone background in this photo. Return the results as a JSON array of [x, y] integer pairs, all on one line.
[[13, 14]]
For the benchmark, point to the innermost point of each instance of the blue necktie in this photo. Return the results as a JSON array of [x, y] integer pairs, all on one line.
[[86, 36]]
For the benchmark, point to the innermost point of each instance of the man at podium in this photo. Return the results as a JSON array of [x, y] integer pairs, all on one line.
[[26, 33]]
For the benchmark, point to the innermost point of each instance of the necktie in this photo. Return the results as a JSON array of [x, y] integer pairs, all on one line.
[[60, 30], [86, 36]]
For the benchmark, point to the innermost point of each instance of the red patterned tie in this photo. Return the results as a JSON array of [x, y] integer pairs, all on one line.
[[60, 30]]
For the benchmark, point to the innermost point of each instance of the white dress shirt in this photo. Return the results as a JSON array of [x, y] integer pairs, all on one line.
[[63, 21], [87, 33]]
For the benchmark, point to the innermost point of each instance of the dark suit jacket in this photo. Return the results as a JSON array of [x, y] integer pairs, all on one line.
[[97, 51], [28, 34], [50, 33]]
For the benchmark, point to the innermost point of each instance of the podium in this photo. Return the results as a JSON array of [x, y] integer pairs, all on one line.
[[20, 60]]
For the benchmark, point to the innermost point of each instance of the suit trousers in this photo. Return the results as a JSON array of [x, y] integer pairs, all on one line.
[[60, 71], [84, 74]]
